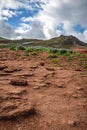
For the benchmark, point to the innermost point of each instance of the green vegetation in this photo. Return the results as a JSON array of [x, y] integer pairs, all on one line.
[[4, 45], [34, 53], [29, 49], [53, 52], [55, 61], [53, 56], [85, 66]]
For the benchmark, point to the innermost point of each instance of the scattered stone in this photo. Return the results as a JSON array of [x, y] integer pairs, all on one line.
[[14, 97], [16, 92], [79, 88], [24, 75], [42, 63], [46, 75], [19, 82], [50, 69], [2, 67], [27, 75], [75, 96], [40, 86], [34, 67], [10, 70], [60, 86], [72, 123], [48, 83]]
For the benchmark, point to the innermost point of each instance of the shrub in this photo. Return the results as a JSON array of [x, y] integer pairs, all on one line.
[[34, 53], [29, 49], [53, 56], [21, 48], [62, 51], [12, 48], [53, 50]]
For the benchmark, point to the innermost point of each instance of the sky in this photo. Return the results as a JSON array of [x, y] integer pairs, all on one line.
[[43, 19]]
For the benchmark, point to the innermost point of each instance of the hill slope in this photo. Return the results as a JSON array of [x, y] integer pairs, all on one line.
[[59, 42]]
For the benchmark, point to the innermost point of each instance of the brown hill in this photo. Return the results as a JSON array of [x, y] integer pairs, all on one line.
[[59, 42]]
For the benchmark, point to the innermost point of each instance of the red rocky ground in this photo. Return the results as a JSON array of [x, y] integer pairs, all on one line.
[[36, 94]]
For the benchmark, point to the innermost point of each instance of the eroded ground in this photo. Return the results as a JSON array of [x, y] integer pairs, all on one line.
[[41, 93]]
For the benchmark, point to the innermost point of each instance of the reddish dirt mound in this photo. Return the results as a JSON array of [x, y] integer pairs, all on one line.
[[55, 95]]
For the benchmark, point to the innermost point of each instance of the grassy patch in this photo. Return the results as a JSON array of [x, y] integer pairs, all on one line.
[[55, 61], [29, 49], [34, 53], [85, 66], [53, 56]]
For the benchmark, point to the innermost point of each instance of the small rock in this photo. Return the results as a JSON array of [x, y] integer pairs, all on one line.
[[36, 87], [48, 83], [19, 82], [50, 69], [34, 67], [16, 92], [77, 69], [14, 97], [42, 63], [79, 88], [72, 123], [25, 75], [28, 75], [60, 86], [75, 96], [2, 67], [40, 86], [10, 70]]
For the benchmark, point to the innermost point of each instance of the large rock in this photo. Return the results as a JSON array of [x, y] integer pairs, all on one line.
[[10, 110]]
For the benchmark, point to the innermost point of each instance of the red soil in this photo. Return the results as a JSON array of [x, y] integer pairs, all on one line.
[[36, 94], [84, 51]]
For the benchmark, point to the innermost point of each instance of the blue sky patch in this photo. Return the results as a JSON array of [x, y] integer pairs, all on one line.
[[79, 28]]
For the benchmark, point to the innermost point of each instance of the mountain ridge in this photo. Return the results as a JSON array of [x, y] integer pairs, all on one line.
[[59, 42]]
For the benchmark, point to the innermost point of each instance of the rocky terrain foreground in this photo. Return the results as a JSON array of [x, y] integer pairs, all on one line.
[[36, 94]]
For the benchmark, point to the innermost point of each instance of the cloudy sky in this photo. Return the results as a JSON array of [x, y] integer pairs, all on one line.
[[43, 19]]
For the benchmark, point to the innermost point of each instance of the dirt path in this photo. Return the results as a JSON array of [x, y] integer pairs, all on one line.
[[37, 95]]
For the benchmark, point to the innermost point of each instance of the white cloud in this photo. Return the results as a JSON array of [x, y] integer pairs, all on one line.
[[31, 31], [69, 13], [9, 8], [54, 13], [7, 31]]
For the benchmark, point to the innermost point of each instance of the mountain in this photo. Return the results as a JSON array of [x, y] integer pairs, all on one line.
[[59, 42], [67, 41]]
